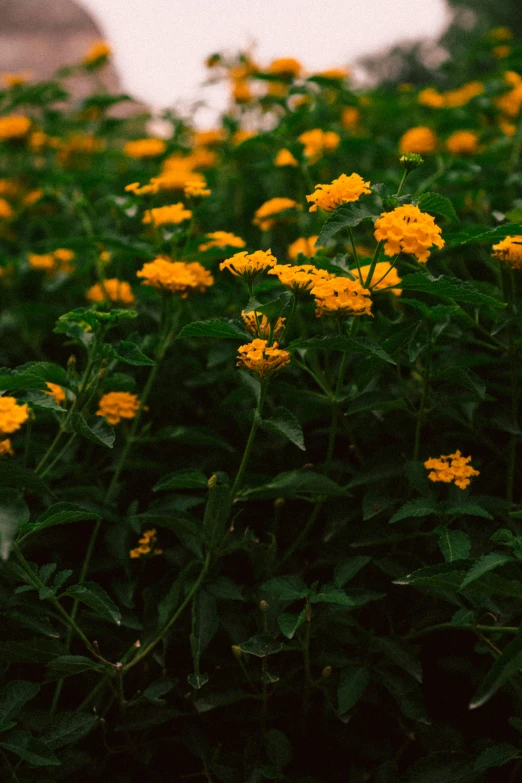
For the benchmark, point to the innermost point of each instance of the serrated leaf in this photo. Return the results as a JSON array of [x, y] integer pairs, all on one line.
[[466, 507], [483, 565], [286, 588], [330, 594], [448, 287], [346, 569], [496, 756], [338, 342], [296, 482], [345, 216], [13, 696], [215, 327], [187, 478], [130, 353], [67, 665], [445, 577], [260, 645], [29, 651], [402, 654], [59, 514], [505, 666], [454, 545], [420, 507], [475, 233], [96, 429], [13, 514], [273, 309], [95, 597], [30, 749], [68, 727], [283, 422], [289, 622], [440, 205], [352, 684]]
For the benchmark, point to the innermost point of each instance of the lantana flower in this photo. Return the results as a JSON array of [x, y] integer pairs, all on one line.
[[451, 468], [407, 229], [342, 190]]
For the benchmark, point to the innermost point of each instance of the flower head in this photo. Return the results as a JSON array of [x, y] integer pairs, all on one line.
[[5, 447], [14, 126], [285, 66], [463, 143], [408, 230], [285, 158], [421, 140], [262, 360], [221, 239], [197, 188], [509, 250], [383, 270], [146, 545], [6, 210], [451, 468], [98, 53], [116, 406], [341, 191], [175, 276], [60, 260], [248, 266], [145, 148], [269, 213], [259, 325], [341, 296], [304, 245], [55, 391], [300, 279], [15, 79], [113, 290], [12, 414], [317, 142], [172, 214], [350, 117]]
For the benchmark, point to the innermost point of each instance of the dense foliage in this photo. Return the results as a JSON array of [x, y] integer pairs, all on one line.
[[259, 438]]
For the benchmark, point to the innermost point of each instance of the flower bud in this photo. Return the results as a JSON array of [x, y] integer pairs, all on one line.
[[411, 160], [327, 671], [236, 651], [264, 606]]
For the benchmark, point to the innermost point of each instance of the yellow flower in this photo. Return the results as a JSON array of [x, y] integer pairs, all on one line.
[[408, 230], [304, 245], [10, 188], [44, 261], [147, 544], [197, 188], [15, 79], [116, 406], [500, 34], [510, 102], [350, 117], [421, 140], [317, 141], [241, 92], [140, 190], [335, 73], [6, 211], [221, 239], [32, 197], [340, 191], [268, 214], [462, 143], [509, 250], [12, 414], [167, 216], [262, 360], [14, 126], [63, 259], [113, 289], [242, 135], [341, 296], [175, 276], [285, 66], [451, 468], [145, 148], [207, 138], [462, 95], [56, 392], [500, 52], [5, 447], [105, 256], [248, 266], [383, 270], [98, 53], [259, 325], [300, 279], [285, 158], [203, 158]]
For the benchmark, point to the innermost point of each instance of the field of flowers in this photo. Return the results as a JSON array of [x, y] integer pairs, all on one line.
[[260, 497]]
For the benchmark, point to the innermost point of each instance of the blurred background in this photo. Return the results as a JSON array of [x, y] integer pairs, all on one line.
[[160, 46]]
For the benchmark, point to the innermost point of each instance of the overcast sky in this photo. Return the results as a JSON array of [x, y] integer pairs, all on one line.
[[160, 45]]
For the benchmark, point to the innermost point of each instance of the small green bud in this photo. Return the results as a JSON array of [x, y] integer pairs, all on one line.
[[411, 160], [327, 671], [264, 606]]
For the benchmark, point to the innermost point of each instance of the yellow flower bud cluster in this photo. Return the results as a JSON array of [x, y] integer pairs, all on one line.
[[285, 158], [56, 392], [196, 188], [249, 265], [451, 99], [60, 260], [341, 296], [341, 191], [112, 290], [259, 325], [146, 545], [175, 276], [451, 468], [509, 250], [463, 143], [304, 245], [12, 414], [317, 142], [116, 406], [261, 359], [221, 239], [300, 279], [170, 215], [145, 148], [14, 126], [408, 230], [97, 54]]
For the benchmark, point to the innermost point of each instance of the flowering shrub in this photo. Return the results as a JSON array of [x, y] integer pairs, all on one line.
[[239, 539]]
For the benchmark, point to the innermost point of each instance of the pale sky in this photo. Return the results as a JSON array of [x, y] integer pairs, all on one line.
[[160, 45]]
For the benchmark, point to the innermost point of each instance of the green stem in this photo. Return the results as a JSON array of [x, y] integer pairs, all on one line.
[[422, 407], [355, 254], [335, 413], [403, 180], [303, 535], [468, 627], [373, 264], [306, 660], [250, 442]]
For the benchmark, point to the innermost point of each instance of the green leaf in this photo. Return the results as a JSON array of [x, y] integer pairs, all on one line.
[[483, 565], [289, 622], [504, 668], [216, 327], [402, 654], [440, 205], [260, 645], [67, 665], [445, 577], [496, 756], [330, 594], [59, 514], [95, 597], [130, 353], [197, 681], [420, 507], [278, 748], [284, 423], [13, 696], [182, 479], [68, 727], [217, 508], [29, 651], [194, 436], [361, 345], [345, 216], [372, 401], [13, 514], [352, 685], [448, 288], [96, 429], [466, 507], [286, 588], [454, 544], [273, 309], [294, 483], [205, 623], [347, 568], [24, 745], [13, 475], [475, 233], [442, 767]]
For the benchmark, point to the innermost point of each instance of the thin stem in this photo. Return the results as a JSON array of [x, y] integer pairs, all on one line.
[[422, 407], [306, 659], [303, 535], [373, 264], [469, 627], [403, 180], [250, 442], [335, 413], [355, 254]]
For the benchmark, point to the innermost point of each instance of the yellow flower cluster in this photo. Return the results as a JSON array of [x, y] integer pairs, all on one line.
[[408, 230], [451, 468], [14, 126], [452, 98], [248, 266], [5, 447], [145, 148], [259, 325], [175, 276], [146, 545], [341, 296], [15, 79], [335, 73], [170, 215], [12, 414], [75, 152], [269, 213], [116, 406], [285, 66], [221, 239], [304, 245], [317, 142], [510, 102], [196, 188], [300, 279], [6, 210], [56, 392], [384, 276], [261, 359], [350, 118], [340, 191], [60, 260], [285, 158], [421, 140], [463, 143], [113, 290], [98, 53], [509, 250]]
